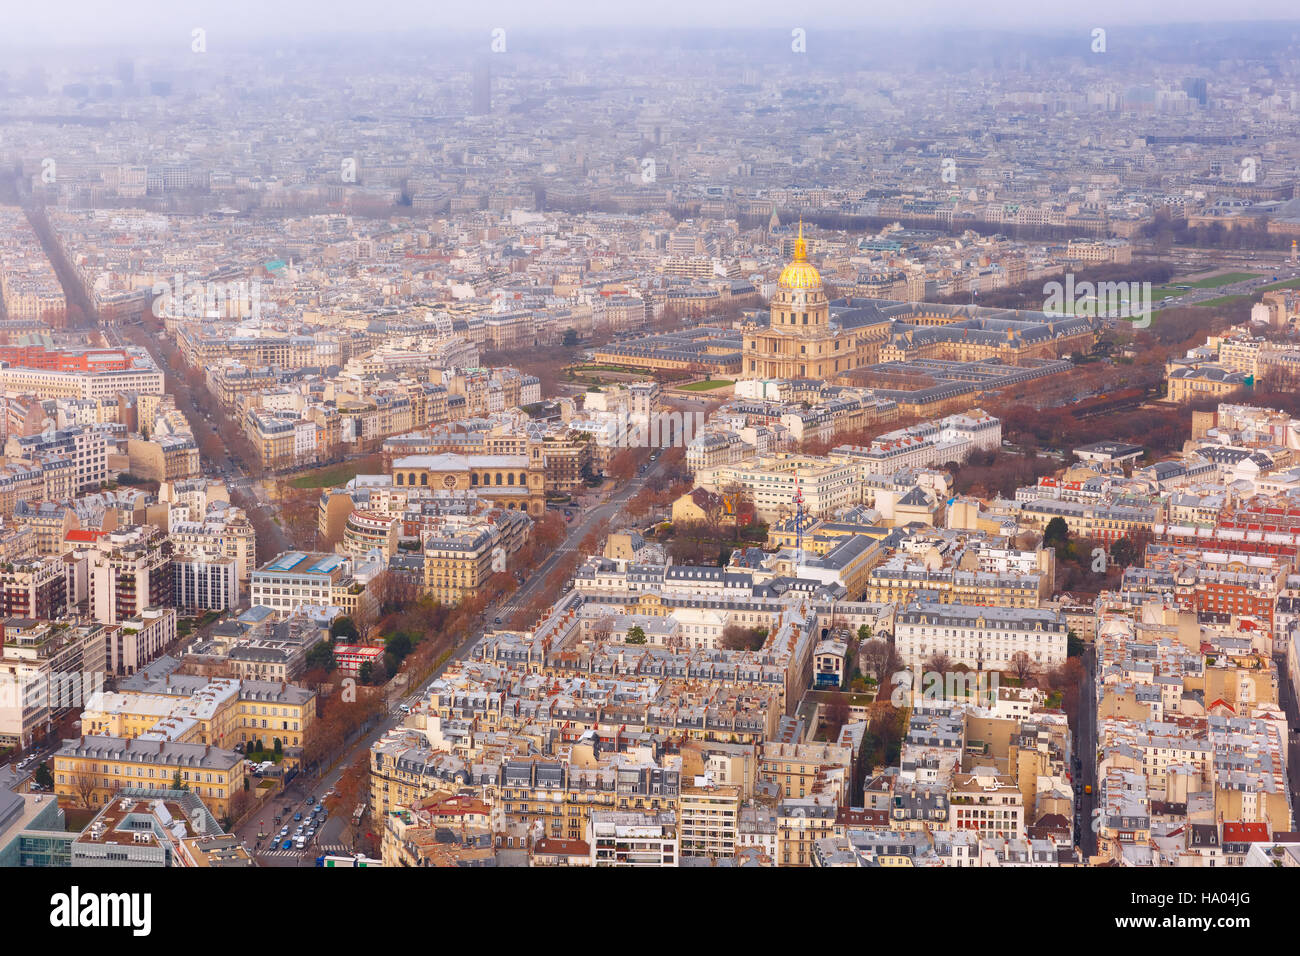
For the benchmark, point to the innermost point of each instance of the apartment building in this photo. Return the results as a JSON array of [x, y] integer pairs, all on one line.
[[983, 638], [45, 669], [929, 444], [460, 558], [90, 771], [223, 533], [800, 824], [86, 447], [629, 839], [222, 711], [157, 828], [803, 769], [295, 578], [708, 819], [776, 483], [1102, 521], [49, 522], [129, 570], [35, 588], [138, 640], [988, 803], [142, 378], [1194, 383], [899, 581]]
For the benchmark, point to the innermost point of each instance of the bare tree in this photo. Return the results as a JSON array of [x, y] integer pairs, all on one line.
[[239, 804], [836, 714], [738, 638], [1022, 666], [938, 663], [714, 509], [736, 502], [84, 785], [602, 628], [879, 660]]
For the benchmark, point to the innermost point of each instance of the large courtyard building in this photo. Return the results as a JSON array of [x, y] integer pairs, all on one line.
[[801, 340]]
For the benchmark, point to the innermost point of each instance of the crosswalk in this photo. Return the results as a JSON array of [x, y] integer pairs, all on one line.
[[312, 849]]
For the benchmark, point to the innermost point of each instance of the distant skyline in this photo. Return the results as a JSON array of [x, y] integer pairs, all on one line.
[[138, 23]]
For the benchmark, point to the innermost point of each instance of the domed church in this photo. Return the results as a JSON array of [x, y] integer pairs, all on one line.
[[801, 341]]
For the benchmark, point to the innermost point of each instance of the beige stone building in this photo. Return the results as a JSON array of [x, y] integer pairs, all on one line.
[[800, 340]]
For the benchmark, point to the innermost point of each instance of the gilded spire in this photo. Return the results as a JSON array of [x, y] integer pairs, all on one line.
[[800, 273]]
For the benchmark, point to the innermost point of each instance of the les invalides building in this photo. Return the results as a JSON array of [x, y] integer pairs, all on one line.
[[801, 341]]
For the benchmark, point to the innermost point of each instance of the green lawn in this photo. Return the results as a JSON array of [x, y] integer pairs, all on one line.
[[1228, 278], [605, 368], [330, 477], [1285, 284], [1222, 300], [706, 386], [1213, 282]]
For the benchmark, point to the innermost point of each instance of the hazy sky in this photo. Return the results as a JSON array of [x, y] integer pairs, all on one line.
[[79, 22]]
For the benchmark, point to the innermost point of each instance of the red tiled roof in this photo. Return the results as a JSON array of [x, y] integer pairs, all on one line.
[[555, 847], [1245, 833]]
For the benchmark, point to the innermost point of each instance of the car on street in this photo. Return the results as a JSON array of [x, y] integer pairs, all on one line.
[[297, 817], [496, 620], [288, 844]]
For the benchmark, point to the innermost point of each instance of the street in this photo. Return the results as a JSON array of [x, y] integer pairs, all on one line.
[[1086, 752], [329, 838], [1271, 273]]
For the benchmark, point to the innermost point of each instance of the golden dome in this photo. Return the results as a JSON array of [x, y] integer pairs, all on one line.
[[800, 273]]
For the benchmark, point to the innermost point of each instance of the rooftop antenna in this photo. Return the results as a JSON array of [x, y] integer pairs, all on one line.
[[798, 523]]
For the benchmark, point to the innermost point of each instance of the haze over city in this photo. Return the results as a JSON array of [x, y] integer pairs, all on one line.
[[667, 436]]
